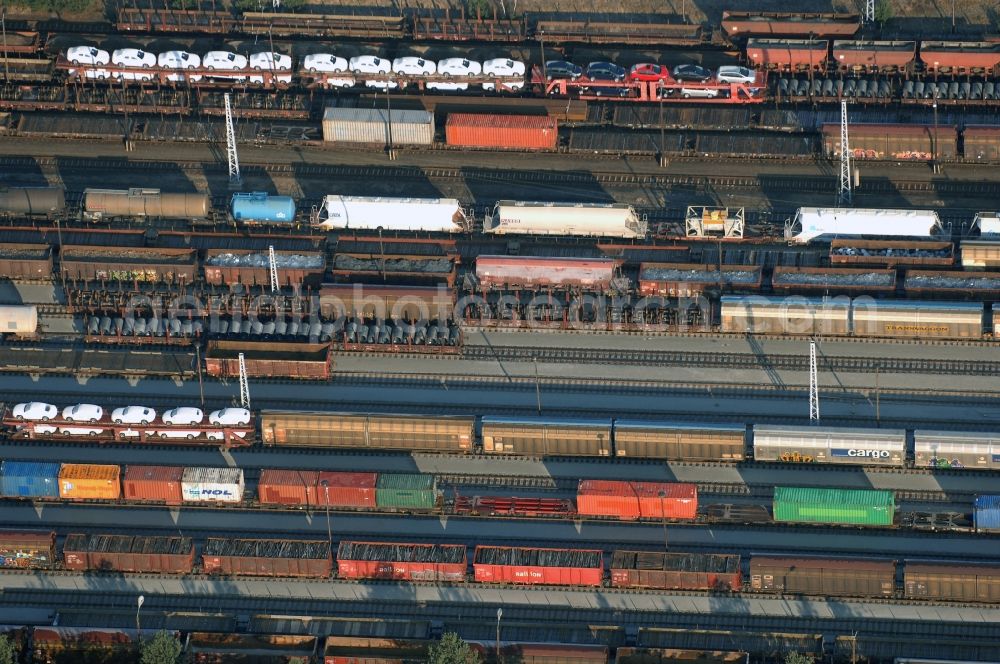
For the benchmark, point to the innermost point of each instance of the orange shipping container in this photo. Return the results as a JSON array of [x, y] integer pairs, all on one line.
[[88, 481], [637, 500], [514, 132], [288, 487], [158, 484]]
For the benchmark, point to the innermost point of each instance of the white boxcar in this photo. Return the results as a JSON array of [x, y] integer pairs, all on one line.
[[212, 485], [757, 314], [950, 449], [531, 218], [439, 215], [826, 223], [865, 447]]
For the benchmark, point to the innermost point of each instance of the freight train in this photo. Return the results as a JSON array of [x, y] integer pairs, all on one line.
[[420, 494], [859, 577], [552, 437]]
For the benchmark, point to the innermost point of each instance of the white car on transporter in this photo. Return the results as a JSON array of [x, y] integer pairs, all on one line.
[[504, 67], [224, 60], [372, 64], [272, 62], [180, 60], [455, 68]]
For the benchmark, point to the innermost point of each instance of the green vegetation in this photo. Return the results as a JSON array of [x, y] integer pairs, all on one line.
[[452, 650], [798, 658], [163, 648], [8, 651], [480, 8], [883, 12]]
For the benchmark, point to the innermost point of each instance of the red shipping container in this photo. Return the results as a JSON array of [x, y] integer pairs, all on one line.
[[287, 487], [157, 484], [549, 567], [488, 130], [637, 500], [402, 562], [346, 489]]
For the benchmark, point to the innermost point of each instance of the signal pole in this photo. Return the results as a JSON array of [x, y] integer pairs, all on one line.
[[235, 180], [844, 193], [813, 384], [244, 384], [272, 264]]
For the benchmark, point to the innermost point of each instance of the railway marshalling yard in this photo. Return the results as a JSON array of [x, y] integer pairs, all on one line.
[[461, 413]]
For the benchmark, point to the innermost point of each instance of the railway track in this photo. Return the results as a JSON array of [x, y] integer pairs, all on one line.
[[730, 360], [817, 184]]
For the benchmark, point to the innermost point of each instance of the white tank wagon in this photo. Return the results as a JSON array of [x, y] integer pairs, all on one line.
[[865, 447], [950, 449], [587, 219], [140, 203], [785, 315], [18, 320], [369, 213], [811, 224]]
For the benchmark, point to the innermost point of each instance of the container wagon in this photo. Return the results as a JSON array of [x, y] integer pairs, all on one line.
[[637, 500], [986, 514], [89, 481], [257, 557], [837, 506], [675, 571], [502, 132], [823, 577], [868, 447], [29, 479], [288, 487], [406, 492], [531, 566], [546, 437], [154, 484], [409, 433], [402, 562]]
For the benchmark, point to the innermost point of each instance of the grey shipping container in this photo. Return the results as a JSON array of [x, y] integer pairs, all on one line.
[[375, 125]]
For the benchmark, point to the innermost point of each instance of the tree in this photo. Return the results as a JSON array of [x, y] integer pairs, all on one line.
[[8, 651], [797, 658], [452, 650], [883, 12], [163, 648]]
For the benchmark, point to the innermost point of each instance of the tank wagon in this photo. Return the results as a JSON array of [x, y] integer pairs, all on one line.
[[362, 213], [18, 320], [139, 203], [32, 201], [535, 218], [505, 272], [261, 207]]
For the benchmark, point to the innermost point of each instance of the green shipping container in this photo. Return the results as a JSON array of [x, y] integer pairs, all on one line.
[[854, 506], [397, 491]]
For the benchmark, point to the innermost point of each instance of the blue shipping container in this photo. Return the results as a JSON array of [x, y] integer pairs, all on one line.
[[259, 206], [30, 479], [986, 513]]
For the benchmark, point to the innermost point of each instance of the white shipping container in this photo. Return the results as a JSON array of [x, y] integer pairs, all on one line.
[[813, 223], [207, 485], [441, 215], [535, 218], [372, 126]]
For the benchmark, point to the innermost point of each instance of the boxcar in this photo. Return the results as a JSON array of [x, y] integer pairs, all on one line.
[[679, 441], [950, 449], [821, 576], [963, 583], [546, 437], [409, 433], [866, 447], [948, 320], [27, 549], [794, 315]]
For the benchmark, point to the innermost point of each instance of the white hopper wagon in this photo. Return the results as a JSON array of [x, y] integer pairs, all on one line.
[[825, 223], [530, 218], [369, 213]]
